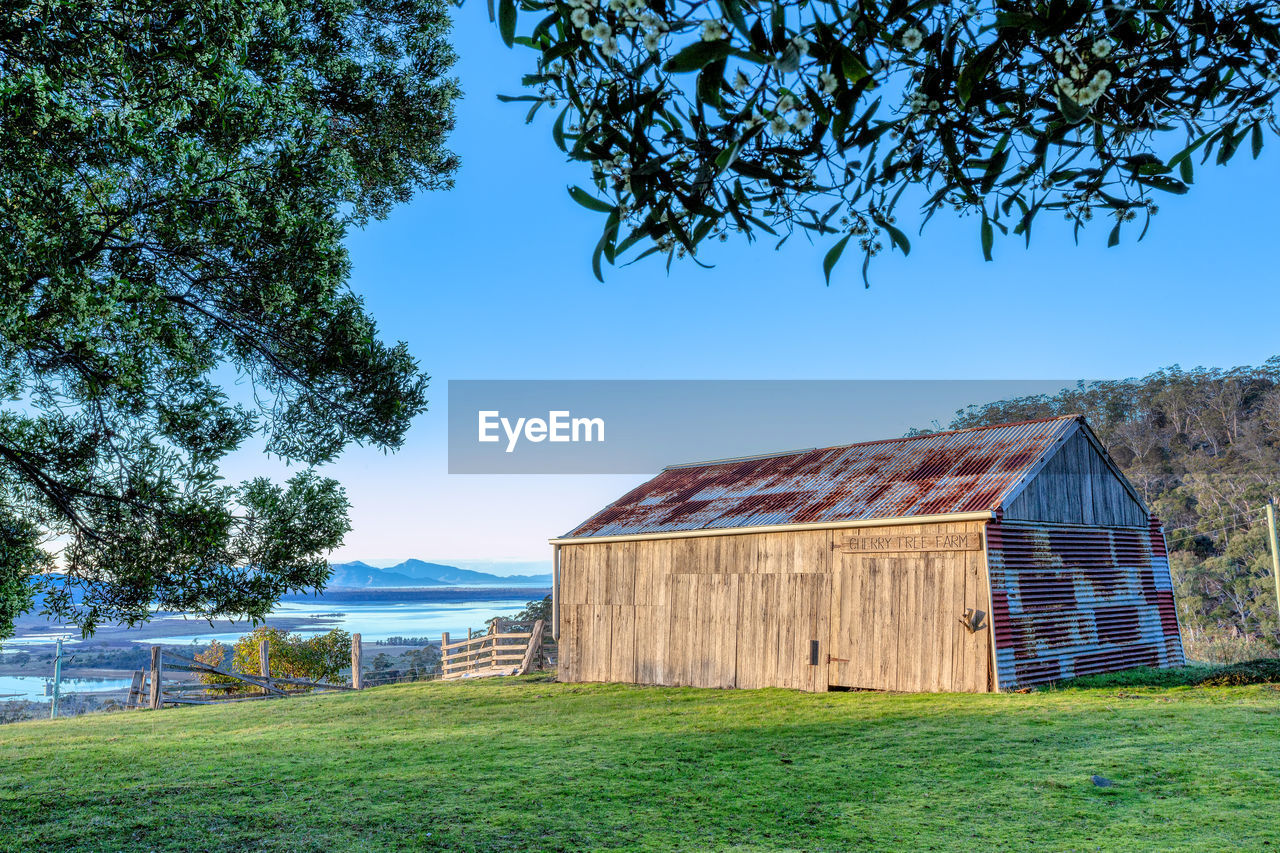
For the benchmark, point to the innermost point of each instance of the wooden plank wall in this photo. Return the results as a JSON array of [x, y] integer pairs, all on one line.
[[1077, 486], [895, 621], [715, 611]]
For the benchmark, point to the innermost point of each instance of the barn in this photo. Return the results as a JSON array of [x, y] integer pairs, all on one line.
[[974, 560]]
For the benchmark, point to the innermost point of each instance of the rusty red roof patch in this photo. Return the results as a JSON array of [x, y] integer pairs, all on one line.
[[933, 474]]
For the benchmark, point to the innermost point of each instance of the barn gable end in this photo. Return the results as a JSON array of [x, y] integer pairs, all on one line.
[[1076, 483]]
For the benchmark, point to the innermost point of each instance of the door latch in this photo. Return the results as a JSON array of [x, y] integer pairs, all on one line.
[[830, 659]]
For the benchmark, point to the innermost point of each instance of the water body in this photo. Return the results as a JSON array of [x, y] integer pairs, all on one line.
[[38, 689], [374, 614], [372, 620]]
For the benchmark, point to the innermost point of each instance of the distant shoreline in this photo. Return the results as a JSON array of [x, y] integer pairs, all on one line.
[[430, 593]]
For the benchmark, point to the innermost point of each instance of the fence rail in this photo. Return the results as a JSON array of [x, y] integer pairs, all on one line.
[[149, 689], [509, 648], [502, 651]]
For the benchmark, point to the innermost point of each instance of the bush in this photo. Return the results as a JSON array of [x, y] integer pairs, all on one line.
[[1260, 671], [1226, 644], [319, 658]]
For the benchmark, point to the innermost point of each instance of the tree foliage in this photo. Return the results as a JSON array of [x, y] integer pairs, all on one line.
[[320, 658], [176, 181], [1203, 449], [704, 118]]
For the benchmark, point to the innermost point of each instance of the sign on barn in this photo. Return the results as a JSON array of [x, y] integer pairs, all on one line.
[[918, 542]]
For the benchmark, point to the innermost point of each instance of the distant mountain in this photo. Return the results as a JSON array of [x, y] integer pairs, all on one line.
[[416, 573]]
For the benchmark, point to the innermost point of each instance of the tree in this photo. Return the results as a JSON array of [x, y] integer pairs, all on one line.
[[535, 610], [319, 658], [175, 184], [703, 118]]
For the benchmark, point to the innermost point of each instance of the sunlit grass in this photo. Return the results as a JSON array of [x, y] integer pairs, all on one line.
[[533, 765]]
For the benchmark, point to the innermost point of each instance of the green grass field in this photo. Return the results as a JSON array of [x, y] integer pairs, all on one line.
[[526, 764]]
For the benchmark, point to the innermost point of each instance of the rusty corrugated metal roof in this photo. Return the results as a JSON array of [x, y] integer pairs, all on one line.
[[934, 474]]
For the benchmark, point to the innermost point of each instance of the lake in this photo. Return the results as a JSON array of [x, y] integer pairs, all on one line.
[[36, 688], [372, 621], [374, 614]]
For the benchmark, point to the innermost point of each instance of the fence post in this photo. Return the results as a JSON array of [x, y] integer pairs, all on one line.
[[57, 680], [444, 641], [155, 678], [356, 680], [1275, 547], [532, 651], [135, 689], [264, 661]]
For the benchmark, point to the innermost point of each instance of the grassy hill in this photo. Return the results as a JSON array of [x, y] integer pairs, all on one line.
[[525, 764]]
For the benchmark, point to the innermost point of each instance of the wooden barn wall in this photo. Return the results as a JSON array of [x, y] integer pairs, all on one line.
[[743, 611], [1070, 601], [1077, 486], [716, 611], [896, 617]]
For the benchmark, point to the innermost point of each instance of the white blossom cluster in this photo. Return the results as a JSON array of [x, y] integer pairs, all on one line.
[[1073, 83], [786, 116], [631, 14]]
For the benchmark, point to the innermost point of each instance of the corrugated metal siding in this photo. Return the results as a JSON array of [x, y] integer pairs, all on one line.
[[960, 471], [1068, 601]]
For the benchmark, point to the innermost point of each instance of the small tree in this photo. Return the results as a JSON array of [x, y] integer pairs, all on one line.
[[535, 610], [319, 658]]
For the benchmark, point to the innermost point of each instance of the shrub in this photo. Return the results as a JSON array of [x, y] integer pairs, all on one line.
[[320, 658]]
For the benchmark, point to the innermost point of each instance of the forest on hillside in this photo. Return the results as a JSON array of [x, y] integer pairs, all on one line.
[[1202, 447]]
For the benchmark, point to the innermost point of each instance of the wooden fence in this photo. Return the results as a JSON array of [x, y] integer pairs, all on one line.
[[150, 690], [508, 648]]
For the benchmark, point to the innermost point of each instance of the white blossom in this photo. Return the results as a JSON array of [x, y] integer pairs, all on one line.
[[651, 42], [616, 5], [827, 81], [610, 47], [1102, 48], [778, 125], [802, 44], [740, 82], [634, 5], [786, 103], [602, 32], [802, 120], [580, 18], [912, 38], [714, 31]]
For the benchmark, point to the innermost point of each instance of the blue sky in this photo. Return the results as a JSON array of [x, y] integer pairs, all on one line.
[[492, 281]]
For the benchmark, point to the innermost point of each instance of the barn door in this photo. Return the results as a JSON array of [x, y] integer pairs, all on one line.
[[896, 623]]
